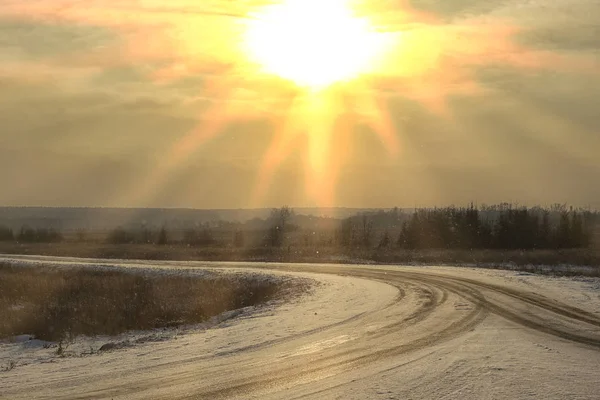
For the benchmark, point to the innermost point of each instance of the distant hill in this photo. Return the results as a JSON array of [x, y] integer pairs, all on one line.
[[67, 218]]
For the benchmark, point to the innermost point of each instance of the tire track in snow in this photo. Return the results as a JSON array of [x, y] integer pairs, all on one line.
[[470, 290], [430, 308]]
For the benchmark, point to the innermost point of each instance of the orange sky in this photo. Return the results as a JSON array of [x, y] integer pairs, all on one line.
[[155, 103]]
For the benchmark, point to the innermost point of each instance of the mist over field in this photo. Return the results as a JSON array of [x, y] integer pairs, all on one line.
[[94, 100]]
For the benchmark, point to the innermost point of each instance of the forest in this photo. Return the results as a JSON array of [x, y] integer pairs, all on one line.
[[503, 226]]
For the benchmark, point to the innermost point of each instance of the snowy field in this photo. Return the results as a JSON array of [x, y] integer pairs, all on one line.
[[360, 332]]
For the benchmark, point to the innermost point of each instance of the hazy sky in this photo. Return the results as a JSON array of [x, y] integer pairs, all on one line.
[[147, 103]]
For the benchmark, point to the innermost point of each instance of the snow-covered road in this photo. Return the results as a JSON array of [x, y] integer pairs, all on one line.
[[363, 332]]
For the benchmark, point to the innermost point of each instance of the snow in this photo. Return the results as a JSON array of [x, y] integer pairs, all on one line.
[[382, 332]]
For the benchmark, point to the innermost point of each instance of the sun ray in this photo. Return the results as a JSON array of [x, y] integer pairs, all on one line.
[[286, 134], [370, 109], [314, 70], [217, 117]]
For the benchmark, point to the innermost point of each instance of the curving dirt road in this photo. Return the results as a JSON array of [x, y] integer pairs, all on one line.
[[366, 332]]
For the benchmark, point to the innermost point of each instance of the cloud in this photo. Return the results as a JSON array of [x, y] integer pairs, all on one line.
[[29, 39], [492, 100], [40, 115], [454, 9]]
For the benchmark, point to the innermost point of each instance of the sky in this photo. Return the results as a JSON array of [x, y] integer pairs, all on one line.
[[149, 103]]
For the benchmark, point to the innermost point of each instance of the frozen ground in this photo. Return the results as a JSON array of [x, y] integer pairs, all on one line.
[[362, 332]]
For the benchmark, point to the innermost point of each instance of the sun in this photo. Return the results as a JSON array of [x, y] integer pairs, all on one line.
[[313, 43]]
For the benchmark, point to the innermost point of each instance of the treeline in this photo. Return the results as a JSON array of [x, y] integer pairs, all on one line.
[[202, 236], [120, 235], [502, 226], [31, 235], [273, 233], [511, 228]]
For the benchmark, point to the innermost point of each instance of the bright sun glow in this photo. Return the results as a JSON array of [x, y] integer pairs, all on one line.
[[313, 43], [318, 74]]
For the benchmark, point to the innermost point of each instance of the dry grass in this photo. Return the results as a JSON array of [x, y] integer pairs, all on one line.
[[178, 252], [558, 262], [581, 257], [58, 303]]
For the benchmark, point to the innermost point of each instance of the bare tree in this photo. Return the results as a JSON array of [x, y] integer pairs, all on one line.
[[366, 230], [279, 225], [162, 236]]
